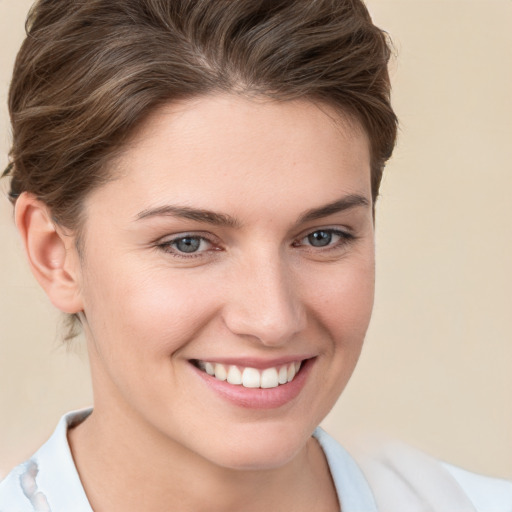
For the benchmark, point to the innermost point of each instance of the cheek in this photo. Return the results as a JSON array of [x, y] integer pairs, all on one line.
[[153, 311], [346, 301]]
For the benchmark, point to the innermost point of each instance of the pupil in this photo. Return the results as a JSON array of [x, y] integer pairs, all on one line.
[[320, 238], [188, 244]]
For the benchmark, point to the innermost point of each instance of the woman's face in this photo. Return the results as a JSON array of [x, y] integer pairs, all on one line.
[[236, 239]]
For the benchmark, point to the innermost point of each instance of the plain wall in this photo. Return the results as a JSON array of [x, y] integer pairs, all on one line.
[[436, 368]]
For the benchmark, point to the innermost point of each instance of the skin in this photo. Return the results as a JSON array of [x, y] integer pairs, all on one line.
[[256, 288]]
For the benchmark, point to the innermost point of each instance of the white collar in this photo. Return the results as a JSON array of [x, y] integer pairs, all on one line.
[[50, 481]]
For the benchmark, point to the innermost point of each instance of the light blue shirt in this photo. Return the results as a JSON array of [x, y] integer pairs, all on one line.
[[49, 481]]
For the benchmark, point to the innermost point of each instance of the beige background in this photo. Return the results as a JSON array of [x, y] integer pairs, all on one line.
[[436, 369]]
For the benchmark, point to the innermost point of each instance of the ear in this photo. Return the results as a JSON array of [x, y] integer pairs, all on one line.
[[51, 253]]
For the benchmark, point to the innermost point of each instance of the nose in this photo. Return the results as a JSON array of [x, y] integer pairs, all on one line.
[[264, 303]]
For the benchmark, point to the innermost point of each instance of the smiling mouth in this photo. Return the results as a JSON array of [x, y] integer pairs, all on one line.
[[248, 377]]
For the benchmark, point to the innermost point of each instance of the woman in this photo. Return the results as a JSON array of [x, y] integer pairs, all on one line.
[[195, 185]]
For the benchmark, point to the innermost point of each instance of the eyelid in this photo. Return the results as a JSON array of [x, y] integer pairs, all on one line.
[[342, 230], [188, 234]]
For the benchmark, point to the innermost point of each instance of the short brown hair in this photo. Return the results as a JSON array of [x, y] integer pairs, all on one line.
[[89, 71]]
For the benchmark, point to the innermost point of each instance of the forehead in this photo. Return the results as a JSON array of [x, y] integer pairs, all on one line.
[[217, 149], [208, 120]]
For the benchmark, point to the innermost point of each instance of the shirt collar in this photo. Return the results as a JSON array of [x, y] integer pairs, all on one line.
[[354, 493], [56, 478]]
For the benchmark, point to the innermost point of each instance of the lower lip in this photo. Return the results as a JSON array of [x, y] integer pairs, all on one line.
[[259, 398]]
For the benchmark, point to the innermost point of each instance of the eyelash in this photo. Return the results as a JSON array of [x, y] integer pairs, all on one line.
[[345, 238], [167, 246]]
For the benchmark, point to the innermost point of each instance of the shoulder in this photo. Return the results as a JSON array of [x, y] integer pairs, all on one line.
[[12, 498], [487, 494], [48, 481], [407, 480], [18, 491], [403, 479]]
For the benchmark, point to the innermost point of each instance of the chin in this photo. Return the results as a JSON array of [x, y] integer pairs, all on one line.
[[263, 448]]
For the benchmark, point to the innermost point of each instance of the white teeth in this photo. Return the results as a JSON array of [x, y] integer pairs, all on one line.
[[220, 372], [269, 378], [234, 375], [283, 375], [291, 372], [252, 377]]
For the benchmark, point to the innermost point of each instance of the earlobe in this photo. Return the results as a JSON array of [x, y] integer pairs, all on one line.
[[51, 253]]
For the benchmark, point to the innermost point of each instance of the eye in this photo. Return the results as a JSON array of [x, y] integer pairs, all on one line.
[[187, 245], [328, 238], [320, 238]]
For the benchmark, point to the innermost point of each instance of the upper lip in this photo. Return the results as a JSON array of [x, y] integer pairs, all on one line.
[[255, 362]]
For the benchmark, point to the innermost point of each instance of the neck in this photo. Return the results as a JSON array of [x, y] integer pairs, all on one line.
[[125, 466]]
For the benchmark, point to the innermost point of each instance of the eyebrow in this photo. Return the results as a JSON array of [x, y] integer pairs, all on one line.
[[345, 203], [222, 219], [185, 212]]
